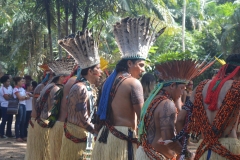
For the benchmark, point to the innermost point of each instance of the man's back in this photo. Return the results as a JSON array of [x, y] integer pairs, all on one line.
[[66, 89], [127, 103], [212, 114], [36, 94]]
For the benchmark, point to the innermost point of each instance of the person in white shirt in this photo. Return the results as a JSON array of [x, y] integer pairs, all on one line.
[[20, 94], [5, 94], [29, 89]]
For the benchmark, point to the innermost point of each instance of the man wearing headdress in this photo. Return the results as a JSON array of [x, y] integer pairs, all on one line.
[[122, 94], [32, 148], [215, 106], [82, 95], [158, 116], [58, 116], [45, 103]]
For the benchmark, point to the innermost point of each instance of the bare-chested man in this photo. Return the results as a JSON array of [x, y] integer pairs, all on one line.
[[32, 141], [158, 116], [82, 95], [122, 94], [57, 118], [215, 108]]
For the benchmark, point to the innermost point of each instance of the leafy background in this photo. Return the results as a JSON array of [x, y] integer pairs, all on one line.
[[29, 29]]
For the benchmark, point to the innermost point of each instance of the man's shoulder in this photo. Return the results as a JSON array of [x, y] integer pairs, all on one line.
[[39, 87], [79, 86], [132, 82], [166, 104]]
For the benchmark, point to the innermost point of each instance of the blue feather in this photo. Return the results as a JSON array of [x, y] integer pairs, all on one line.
[[103, 105], [46, 78]]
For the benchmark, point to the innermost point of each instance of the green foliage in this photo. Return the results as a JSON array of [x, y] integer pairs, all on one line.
[[212, 27], [170, 56]]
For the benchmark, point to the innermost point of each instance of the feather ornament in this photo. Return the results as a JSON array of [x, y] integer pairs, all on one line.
[[62, 66], [135, 36], [44, 67], [82, 47], [181, 70]]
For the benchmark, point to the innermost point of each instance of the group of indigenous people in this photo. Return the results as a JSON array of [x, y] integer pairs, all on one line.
[[72, 119]]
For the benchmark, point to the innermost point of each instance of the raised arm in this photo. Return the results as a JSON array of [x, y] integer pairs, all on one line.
[[188, 106], [137, 97]]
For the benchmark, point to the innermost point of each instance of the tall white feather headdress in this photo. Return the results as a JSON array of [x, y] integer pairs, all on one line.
[[135, 36], [62, 66], [82, 47]]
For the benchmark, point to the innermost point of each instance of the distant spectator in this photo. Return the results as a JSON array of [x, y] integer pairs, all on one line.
[[148, 82], [34, 85], [5, 94], [20, 93], [29, 89]]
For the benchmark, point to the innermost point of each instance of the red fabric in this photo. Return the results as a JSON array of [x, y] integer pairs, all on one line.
[[212, 95]]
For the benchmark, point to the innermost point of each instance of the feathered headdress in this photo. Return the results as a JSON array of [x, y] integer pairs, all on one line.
[[62, 66], [82, 47], [181, 71], [135, 36], [44, 67]]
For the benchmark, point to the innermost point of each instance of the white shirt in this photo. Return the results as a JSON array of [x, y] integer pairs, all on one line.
[[3, 91], [29, 104], [22, 93]]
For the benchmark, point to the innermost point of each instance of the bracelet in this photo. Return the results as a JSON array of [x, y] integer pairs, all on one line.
[[188, 154]]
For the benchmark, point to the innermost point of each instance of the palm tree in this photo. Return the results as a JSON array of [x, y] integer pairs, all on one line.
[[46, 7]]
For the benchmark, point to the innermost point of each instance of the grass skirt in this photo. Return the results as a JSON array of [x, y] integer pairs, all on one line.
[[55, 140], [37, 142], [32, 142], [115, 149], [140, 154], [232, 144], [69, 149]]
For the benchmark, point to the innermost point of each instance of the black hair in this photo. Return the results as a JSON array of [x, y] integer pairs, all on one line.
[[147, 79], [34, 84], [17, 79], [235, 58], [123, 66], [4, 78], [28, 84], [55, 79], [84, 72], [75, 71]]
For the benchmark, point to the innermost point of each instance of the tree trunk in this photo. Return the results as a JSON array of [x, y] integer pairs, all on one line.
[[59, 27], [47, 6], [86, 13], [183, 25], [66, 4], [74, 16]]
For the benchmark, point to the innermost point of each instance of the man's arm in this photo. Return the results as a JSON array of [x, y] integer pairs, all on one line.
[[137, 97], [167, 119], [183, 113], [79, 94]]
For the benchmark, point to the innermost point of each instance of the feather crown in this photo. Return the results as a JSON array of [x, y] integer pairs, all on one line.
[[135, 36], [181, 71], [82, 47], [62, 66]]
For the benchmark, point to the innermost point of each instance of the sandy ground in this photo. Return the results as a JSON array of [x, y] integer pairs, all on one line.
[[12, 150]]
